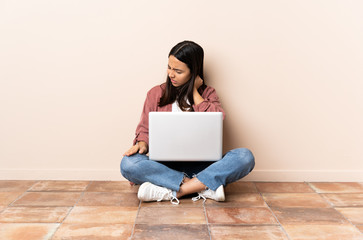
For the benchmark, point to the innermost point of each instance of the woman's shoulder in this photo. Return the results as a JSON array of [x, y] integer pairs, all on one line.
[[156, 91]]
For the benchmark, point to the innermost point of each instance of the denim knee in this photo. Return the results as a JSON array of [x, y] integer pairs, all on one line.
[[245, 158], [124, 166], [127, 166]]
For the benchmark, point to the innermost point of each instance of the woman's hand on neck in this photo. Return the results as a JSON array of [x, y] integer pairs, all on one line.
[[196, 96]]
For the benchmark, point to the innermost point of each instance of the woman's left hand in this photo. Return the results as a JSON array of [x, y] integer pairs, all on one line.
[[198, 82], [196, 96]]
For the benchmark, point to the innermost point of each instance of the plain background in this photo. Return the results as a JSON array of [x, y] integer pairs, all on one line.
[[74, 76]]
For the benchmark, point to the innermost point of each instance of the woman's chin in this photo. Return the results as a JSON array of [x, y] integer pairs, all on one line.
[[175, 84]]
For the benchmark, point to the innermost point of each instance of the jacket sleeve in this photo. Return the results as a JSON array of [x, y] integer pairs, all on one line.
[[211, 102], [142, 129]]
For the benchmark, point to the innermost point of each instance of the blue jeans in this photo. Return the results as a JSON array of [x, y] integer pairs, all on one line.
[[234, 165]]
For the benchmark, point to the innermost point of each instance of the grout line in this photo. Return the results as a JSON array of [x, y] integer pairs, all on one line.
[[347, 219], [341, 214], [254, 185], [20, 196], [36, 182], [282, 228], [321, 194], [11, 203], [133, 227], [311, 186], [206, 219], [70, 210], [89, 184]]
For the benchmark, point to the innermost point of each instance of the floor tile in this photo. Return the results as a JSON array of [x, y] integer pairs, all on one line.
[[174, 215], [15, 185], [244, 232], [355, 215], [240, 216], [105, 214], [34, 214], [290, 200], [327, 187], [108, 210], [239, 200], [60, 186], [112, 186], [344, 199], [175, 232], [56, 199], [93, 232], [241, 187], [28, 231], [322, 232], [283, 187], [184, 202], [109, 199], [308, 216], [8, 197]]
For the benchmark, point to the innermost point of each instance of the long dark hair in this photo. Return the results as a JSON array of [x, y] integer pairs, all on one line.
[[192, 55]]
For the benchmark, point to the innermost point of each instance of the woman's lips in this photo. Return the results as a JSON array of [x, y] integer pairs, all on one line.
[[173, 81]]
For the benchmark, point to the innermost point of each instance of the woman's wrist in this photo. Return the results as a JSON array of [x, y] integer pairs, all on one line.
[[142, 143], [197, 97]]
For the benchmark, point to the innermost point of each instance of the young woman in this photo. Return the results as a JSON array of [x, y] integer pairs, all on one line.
[[184, 90]]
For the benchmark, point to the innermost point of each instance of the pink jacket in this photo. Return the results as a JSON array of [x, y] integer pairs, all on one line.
[[210, 104]]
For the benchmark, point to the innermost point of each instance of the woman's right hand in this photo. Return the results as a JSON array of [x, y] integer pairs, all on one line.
[[140, 147]]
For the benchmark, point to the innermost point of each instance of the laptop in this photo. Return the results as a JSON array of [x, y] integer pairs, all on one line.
[[185, 136]]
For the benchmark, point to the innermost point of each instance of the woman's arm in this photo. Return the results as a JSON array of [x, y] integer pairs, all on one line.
[[141, 140], [210, 102], [150, 105], [140, 143]]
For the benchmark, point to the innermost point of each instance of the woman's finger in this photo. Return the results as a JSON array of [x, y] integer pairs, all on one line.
[[131, 151], [142, 150]]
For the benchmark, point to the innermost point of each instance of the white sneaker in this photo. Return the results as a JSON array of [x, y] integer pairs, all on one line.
[[217, 195], [149, 192]]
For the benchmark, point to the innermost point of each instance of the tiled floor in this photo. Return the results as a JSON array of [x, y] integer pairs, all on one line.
[[110, 210]]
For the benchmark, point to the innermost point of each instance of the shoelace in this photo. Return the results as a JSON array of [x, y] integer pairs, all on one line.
[[176, 200], [173, 199], [199, 197]]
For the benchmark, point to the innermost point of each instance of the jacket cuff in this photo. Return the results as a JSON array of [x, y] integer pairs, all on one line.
[[141, 138], [201, 107]]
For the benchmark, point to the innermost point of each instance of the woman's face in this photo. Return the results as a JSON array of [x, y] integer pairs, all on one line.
[[178, 72]]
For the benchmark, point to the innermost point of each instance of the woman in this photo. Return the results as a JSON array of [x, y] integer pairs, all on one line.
[[184, 90]]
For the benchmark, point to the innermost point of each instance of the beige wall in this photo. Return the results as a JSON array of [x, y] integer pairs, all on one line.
[[74, 74]]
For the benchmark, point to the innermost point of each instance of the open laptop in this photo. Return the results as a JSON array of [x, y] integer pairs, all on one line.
[[185, 136]]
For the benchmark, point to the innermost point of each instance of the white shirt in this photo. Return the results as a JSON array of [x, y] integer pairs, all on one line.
[[175, 107]]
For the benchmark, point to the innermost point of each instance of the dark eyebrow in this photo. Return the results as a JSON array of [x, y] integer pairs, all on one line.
[[176, 69]]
